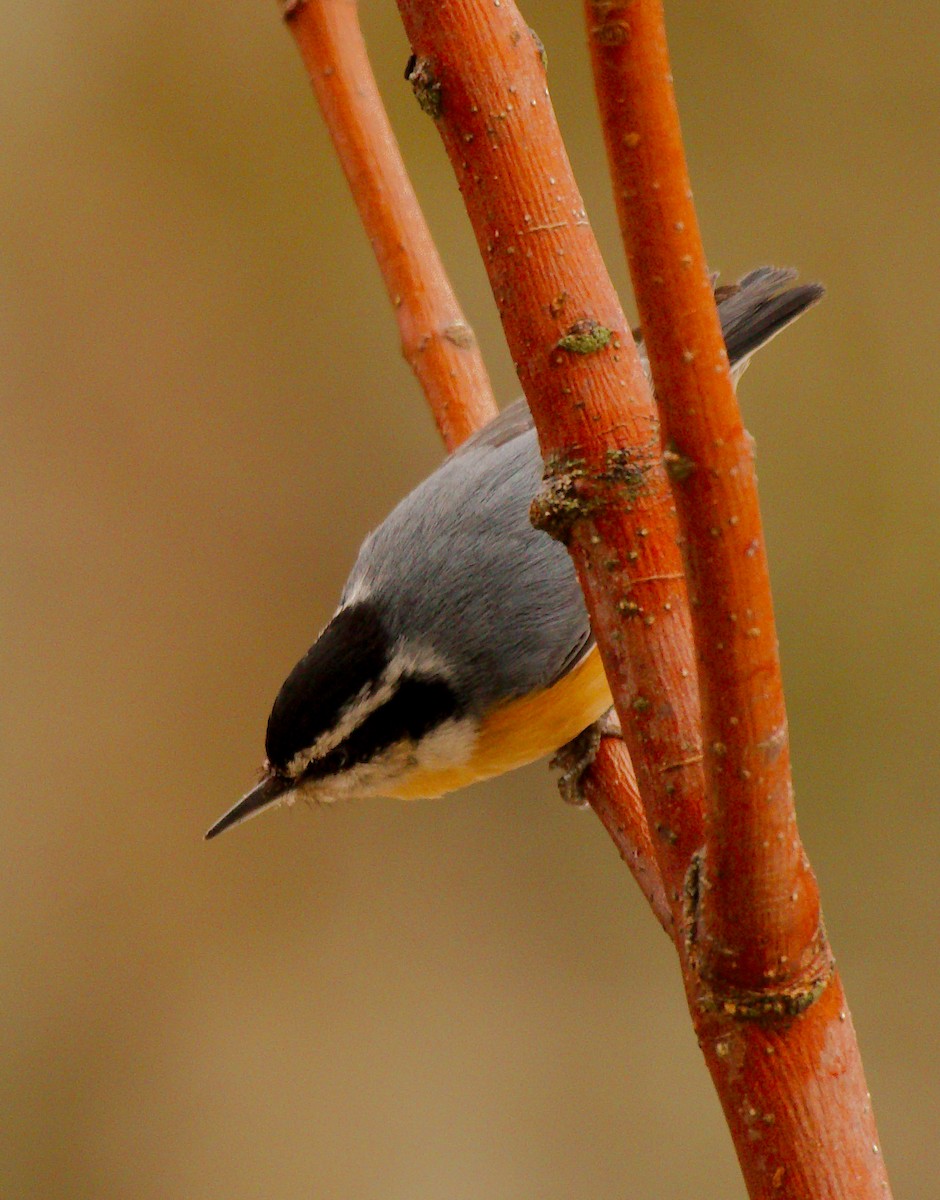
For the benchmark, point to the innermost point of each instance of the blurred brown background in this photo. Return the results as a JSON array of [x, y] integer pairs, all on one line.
[[204, 411]]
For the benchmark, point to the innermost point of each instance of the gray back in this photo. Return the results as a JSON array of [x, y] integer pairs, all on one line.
[[459, 559]]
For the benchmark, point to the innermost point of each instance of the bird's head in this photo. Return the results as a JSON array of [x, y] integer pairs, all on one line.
[[360, 710]]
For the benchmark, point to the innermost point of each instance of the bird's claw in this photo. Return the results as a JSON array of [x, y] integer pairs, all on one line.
[[577, 756]]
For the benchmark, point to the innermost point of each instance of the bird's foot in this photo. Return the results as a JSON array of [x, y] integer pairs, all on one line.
[[577, 756]]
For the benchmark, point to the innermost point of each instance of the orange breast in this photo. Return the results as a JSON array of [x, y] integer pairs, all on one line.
[[520, 732]]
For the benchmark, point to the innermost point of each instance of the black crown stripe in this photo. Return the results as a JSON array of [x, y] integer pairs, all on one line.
[[349, 655]]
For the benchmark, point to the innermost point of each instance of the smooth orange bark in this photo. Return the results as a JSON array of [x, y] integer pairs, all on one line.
[[437, 341], [610, 788], [607, 493], [754, 933]]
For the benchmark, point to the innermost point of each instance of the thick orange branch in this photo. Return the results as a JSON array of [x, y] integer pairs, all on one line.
[[767, 1003], [760, 924], [795, 1099], [479, 72], [782, 1053], [436, 340]]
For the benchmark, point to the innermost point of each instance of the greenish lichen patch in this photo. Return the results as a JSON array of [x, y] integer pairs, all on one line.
[[585, 337], [624, 469], [562, 499]]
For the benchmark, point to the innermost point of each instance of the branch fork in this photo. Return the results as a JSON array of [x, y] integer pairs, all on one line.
[[701, 809]]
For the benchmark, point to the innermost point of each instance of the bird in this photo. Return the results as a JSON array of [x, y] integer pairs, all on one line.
[[461, 647]]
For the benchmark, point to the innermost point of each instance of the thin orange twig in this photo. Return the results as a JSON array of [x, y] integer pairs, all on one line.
[[436, 339], [610, 787], [446, 361]]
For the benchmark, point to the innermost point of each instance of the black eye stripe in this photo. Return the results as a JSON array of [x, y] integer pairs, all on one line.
[[330, 764], [417, 706]]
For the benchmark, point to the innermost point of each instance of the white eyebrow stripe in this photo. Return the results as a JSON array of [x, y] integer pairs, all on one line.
[[356, 711], [420, 662]]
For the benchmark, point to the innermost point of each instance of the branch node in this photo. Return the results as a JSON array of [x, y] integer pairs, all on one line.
[[425, 85], [769, 1004], [743, 1005], [571, 491], [564, 498], [540, 48]]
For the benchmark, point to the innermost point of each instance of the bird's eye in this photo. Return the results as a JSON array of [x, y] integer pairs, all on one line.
[[338, 759]]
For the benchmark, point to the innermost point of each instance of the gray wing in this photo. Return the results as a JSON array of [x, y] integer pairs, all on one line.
[[460, 559], [752, 312], [514, 420]]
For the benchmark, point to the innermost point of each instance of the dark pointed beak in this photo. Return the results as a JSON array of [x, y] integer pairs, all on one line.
[[271, 789]]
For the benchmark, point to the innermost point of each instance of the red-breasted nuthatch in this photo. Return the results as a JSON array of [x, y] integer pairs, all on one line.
[[461, 647]]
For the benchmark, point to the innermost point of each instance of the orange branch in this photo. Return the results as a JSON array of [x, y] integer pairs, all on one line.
[[479, 72], [760, 925], [609, 786], [436, 340], [768, 1006], [769, 1013]]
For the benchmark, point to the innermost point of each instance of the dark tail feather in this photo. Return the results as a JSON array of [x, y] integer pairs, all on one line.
[[756, 308]]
